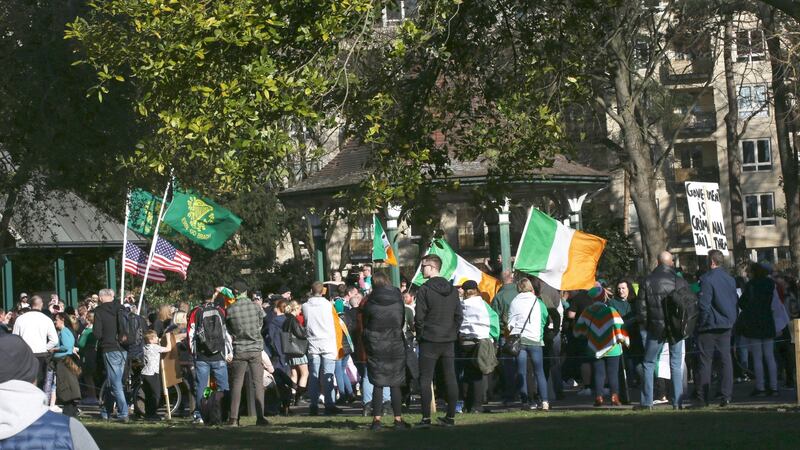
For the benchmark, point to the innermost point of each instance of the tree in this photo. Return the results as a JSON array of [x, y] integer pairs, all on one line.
[[462, 81], [783, 76], [51, 139], [225, 90]]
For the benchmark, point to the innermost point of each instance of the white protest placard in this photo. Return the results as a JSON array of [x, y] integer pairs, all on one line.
[[706, 219]]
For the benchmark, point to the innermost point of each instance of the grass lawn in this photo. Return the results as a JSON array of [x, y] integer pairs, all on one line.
[[695, 430]]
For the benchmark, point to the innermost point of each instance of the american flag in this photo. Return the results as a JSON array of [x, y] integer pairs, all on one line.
[[136, 261], [167, 257]]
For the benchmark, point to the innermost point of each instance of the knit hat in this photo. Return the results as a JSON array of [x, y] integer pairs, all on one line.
[[283, 289], [597, 293], [16, 360]]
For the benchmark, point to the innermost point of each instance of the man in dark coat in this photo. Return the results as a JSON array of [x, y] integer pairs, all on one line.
[[384, 315], [114, 356], [716, 318], [437, 318], [650, 315], [500, 304]]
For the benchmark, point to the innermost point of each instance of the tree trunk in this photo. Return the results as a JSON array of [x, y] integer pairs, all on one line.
[[640, 164], [734, 161], [789, 163]]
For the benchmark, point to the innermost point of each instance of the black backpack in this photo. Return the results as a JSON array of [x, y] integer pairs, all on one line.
[[130, 331], [211, 408], [680, 314], [210, 329]]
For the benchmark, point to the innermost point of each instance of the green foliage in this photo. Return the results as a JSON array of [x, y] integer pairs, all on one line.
[[249, 256], [50, 137], [464, 81], [619, 256], [224, 88]]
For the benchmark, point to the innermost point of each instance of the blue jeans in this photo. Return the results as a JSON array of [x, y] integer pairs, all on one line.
[[328, 367], [652, 352], [763, 351], [536, 353], [366, 388], [115, 368], [342, 380], [202, 371]]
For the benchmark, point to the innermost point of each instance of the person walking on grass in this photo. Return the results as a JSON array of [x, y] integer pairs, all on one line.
[[244, 322], [151, 373], [324, 336], [114, 356], [386, 353], [758, 329], [210, 346], [527, 318], [437, 319], [605, 335], [716, 318]]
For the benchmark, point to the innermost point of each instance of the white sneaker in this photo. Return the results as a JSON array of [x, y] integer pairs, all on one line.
[[545, 406], [56, 409], [585, 392], [660, 401]]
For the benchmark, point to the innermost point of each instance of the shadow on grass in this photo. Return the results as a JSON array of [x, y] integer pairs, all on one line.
[[698, 429]]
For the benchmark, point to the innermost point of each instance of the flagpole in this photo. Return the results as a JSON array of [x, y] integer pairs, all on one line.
[[124, 245], [153, 245]]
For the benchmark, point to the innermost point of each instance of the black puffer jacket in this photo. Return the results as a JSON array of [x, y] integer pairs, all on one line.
[[649, 307], [438, 313], [383, 337]]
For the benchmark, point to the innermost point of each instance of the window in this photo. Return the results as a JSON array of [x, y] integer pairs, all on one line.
[[750, 45], [470, 228], [756, 156], [691, 157], [397, 11], [753, 100], [759, 209]]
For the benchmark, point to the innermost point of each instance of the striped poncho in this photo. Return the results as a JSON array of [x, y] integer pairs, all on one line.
[[603, 327]]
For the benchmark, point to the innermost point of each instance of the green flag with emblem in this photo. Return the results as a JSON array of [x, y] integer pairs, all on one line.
[[201, 220], [143, 211]]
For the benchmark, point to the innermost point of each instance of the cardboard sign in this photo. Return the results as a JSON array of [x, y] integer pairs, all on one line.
[[172, 364], [705, 217]]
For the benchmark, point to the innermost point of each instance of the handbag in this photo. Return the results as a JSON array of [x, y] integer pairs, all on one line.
[[293, 346], [512, 344]]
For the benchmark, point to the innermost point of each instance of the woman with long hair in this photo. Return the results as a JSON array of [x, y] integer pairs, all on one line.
[[757, 326], [384, 316], [68, 390], [87, 345], [527, 318], [298, 363]]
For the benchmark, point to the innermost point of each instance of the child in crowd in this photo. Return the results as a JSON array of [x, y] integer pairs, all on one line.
[[151, 376]]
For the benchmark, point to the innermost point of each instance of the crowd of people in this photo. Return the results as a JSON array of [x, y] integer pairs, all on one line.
[[362, 339]]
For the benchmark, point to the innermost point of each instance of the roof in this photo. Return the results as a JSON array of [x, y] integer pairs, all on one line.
[[64, 220], [347, 169]]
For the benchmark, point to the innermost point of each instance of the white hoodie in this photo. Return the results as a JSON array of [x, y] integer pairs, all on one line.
[[319, 316], [22, 404]]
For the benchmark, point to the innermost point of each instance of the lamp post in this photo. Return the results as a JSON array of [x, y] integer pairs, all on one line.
[[504, 222], [318, 232], [392, 216]]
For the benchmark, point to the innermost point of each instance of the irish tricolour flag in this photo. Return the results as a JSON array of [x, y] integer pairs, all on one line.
[[564, 258], [458, 270], [381, 247]]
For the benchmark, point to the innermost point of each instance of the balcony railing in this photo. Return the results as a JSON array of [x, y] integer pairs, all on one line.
[[686, 71], [700, 122], [707, 174]]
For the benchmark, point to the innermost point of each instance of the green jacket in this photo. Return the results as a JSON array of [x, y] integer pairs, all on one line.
[[502, 302]]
